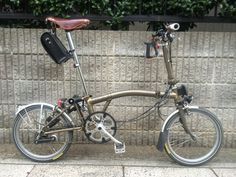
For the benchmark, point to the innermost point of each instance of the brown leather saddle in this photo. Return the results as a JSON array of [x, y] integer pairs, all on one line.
[[68, 24]]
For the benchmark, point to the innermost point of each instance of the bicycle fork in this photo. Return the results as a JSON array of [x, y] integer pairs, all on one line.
[[181, 110], [183, 121]]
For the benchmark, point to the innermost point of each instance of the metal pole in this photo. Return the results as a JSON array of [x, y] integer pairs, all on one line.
[[168, 63], [76, 59]]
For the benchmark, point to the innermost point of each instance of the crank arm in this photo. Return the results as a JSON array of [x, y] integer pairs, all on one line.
[[108, 134]]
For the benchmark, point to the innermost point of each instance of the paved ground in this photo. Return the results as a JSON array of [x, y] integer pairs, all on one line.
[[100, 161]]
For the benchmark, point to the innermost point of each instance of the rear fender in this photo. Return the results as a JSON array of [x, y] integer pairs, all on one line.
[[20, 108]]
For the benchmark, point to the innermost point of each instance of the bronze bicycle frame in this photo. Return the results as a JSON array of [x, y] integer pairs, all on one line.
[[90, 101], [108, 98]]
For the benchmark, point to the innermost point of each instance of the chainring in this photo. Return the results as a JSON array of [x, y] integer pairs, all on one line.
[[93, 133]]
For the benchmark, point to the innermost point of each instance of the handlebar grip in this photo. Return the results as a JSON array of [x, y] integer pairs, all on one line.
[[148, 50], [173, 27], [75, 99], [149, 53]]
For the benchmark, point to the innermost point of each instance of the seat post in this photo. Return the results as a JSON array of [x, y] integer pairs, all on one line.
[[76, 59]]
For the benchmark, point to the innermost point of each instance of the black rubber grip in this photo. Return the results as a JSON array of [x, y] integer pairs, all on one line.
[[75, 99], [148, 49]]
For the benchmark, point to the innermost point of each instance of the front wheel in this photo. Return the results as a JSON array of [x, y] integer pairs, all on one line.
[[202, 146], [28, 137]]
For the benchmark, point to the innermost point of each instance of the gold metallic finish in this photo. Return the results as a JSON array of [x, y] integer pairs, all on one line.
[[111, 96], [89, 105], [168, 64], [63, 130], [172, 95], [106, 105]]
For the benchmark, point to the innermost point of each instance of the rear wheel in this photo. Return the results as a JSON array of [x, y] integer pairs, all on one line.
[[207, 137], [28, 137]]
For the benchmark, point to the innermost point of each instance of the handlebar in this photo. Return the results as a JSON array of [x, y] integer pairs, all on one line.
[[165, 35], [162, 35]]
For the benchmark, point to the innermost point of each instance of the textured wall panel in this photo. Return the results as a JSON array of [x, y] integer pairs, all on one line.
[[113, 61]]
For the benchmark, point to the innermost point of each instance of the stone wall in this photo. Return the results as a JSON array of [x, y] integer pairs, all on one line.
[[113, 61]]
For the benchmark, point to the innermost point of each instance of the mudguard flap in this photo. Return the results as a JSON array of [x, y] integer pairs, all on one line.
[[161, 141]]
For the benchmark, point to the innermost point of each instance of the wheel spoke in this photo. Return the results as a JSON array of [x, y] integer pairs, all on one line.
[[25, 121], [176, 126], [30, 130], [181, 143], [40, 117], [204, 140], [27, 115], [51, 147]]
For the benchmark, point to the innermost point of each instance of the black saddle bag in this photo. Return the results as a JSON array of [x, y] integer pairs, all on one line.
[[54, 47]]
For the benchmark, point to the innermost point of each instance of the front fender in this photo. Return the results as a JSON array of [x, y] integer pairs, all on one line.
[[163, 133]]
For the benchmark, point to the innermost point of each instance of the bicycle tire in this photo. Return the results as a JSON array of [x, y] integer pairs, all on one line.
[[25, 130], [192, 152]]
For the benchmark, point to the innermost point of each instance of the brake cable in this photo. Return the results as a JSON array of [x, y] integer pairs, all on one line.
[[158, 104]]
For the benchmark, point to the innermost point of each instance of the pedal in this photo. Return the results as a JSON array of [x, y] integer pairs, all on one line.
[[119, 148]]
